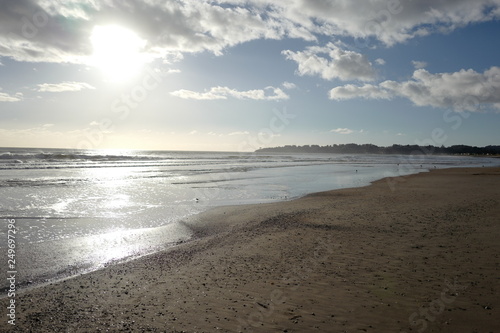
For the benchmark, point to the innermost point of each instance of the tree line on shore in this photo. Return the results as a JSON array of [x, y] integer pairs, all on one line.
[[352, 148]]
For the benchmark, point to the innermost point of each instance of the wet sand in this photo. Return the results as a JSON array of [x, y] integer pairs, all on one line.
[[412, 254]]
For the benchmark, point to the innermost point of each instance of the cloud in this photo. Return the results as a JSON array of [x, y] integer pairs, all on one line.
[[465, 90], [189, 94], [390, 22], [239, 133], [342, 131], [5, 97], [269, 93], [55, 31], [51, 31], [367, 91], [332, 62], [268, 135], [419, 64], [380, 61], [289, 85], [64, 86]]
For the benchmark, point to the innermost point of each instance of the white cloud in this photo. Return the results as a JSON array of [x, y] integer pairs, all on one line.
[[463, 90], [55, 31], [289, 85], [368, 91], [4, 97], [64, 86], [419, 64], [389, 21], [269, 93], [178, 26], [268, 136], [332, 62], [239, 133], [189, 94], [380, 61], [342, 131]]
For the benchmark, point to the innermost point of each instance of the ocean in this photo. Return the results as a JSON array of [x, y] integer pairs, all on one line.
[[79, 210]]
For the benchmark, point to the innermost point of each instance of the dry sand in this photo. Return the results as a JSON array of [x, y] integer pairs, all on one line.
[[412, 254]]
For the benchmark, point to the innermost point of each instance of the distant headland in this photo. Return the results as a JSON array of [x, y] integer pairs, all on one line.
[[352, 148]]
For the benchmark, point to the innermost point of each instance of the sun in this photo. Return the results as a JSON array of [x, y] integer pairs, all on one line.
[[117, 52]]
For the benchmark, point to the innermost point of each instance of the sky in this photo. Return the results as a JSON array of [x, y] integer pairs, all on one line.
[[240, 75]]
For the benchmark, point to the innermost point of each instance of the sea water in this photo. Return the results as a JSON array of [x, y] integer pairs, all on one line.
[[78, 210]]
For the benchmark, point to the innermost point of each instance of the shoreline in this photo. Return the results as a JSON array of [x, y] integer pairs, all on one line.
[[50, 260], [362, 253], [73, 263]]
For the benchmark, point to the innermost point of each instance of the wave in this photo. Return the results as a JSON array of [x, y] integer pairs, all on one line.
[[26, 159], [69, 157], [39, 182]]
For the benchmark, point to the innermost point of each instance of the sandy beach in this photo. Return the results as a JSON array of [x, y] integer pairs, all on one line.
[[419, 253]]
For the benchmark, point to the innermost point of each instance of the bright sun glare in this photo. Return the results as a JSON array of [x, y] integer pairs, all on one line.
[[117, 52]]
